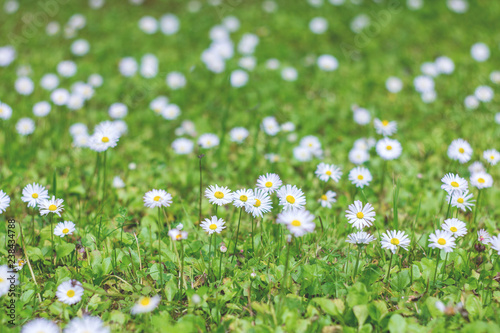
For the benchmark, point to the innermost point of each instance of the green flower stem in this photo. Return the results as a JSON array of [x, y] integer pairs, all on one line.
[[236, 239], [389, 268], [159, 245], [437, 265], [357, 263]]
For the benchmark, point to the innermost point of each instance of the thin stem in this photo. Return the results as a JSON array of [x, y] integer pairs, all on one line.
[[220, 266], [389, 269], [159, 245], [444, 268], [285, 280], [181, 281], [437, 265], [449, 206], [236, 239], [357, 263], [201, 190], [253, 250]]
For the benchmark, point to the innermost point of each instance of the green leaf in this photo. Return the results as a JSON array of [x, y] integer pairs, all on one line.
[[397, 324], [377, 310], [361, 313], [64, 249], [474, 307], [334, 308], [401, 280], [357, 295]]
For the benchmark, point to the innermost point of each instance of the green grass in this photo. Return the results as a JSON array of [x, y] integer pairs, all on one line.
[[115, 249]]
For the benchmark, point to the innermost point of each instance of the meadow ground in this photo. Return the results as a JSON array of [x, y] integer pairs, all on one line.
[[309, 82]]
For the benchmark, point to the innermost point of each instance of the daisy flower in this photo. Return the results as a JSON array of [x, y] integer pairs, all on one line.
[[238, 134], [461, 200], [182, 146], [5, 111], [492, 156], [495, 243], [460, 150], [393, 239], [476, 167], [454, 184], [443, 240], [269, 182], [70, 292], [483, 236], [481, 180], [103, 139], [64, 228], [145, 304], [33, 193], [291, 197], [208, 140], [298, 221], [302, 154], [312, 144], [328, 171], [328, 199], [385, 127], [388, 149], [360, 237], [86, 324], [360, 176], [262, 203], [218, 195], [176, 234], [19, 264], [40, 325], [4, 201], [270, 126], [25, 126], [358, 156], [6, 279], [455, 226], [157, 198], [243, 198], [213, 224], [360, 216], [54, 206]]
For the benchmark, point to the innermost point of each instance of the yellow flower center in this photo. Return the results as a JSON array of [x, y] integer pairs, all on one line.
[[360, 215], [1, 280], [442, 241], [454, 184], [460, 200], [395, 241], [296, 223], [70, 293], [290, 199], [492, 157], [323, 197], [257, 203], [53, 208], [65, 230], [244, 198], [269, 184], [481, 180], [360, 177], [157, 198], [385, 122], [178, 236], [389, 147], [461, 150], [453, 229], [34, 195], [329, 173], [20, 262], [105, 139], [145, 301], [213, 226], [219, 195]]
